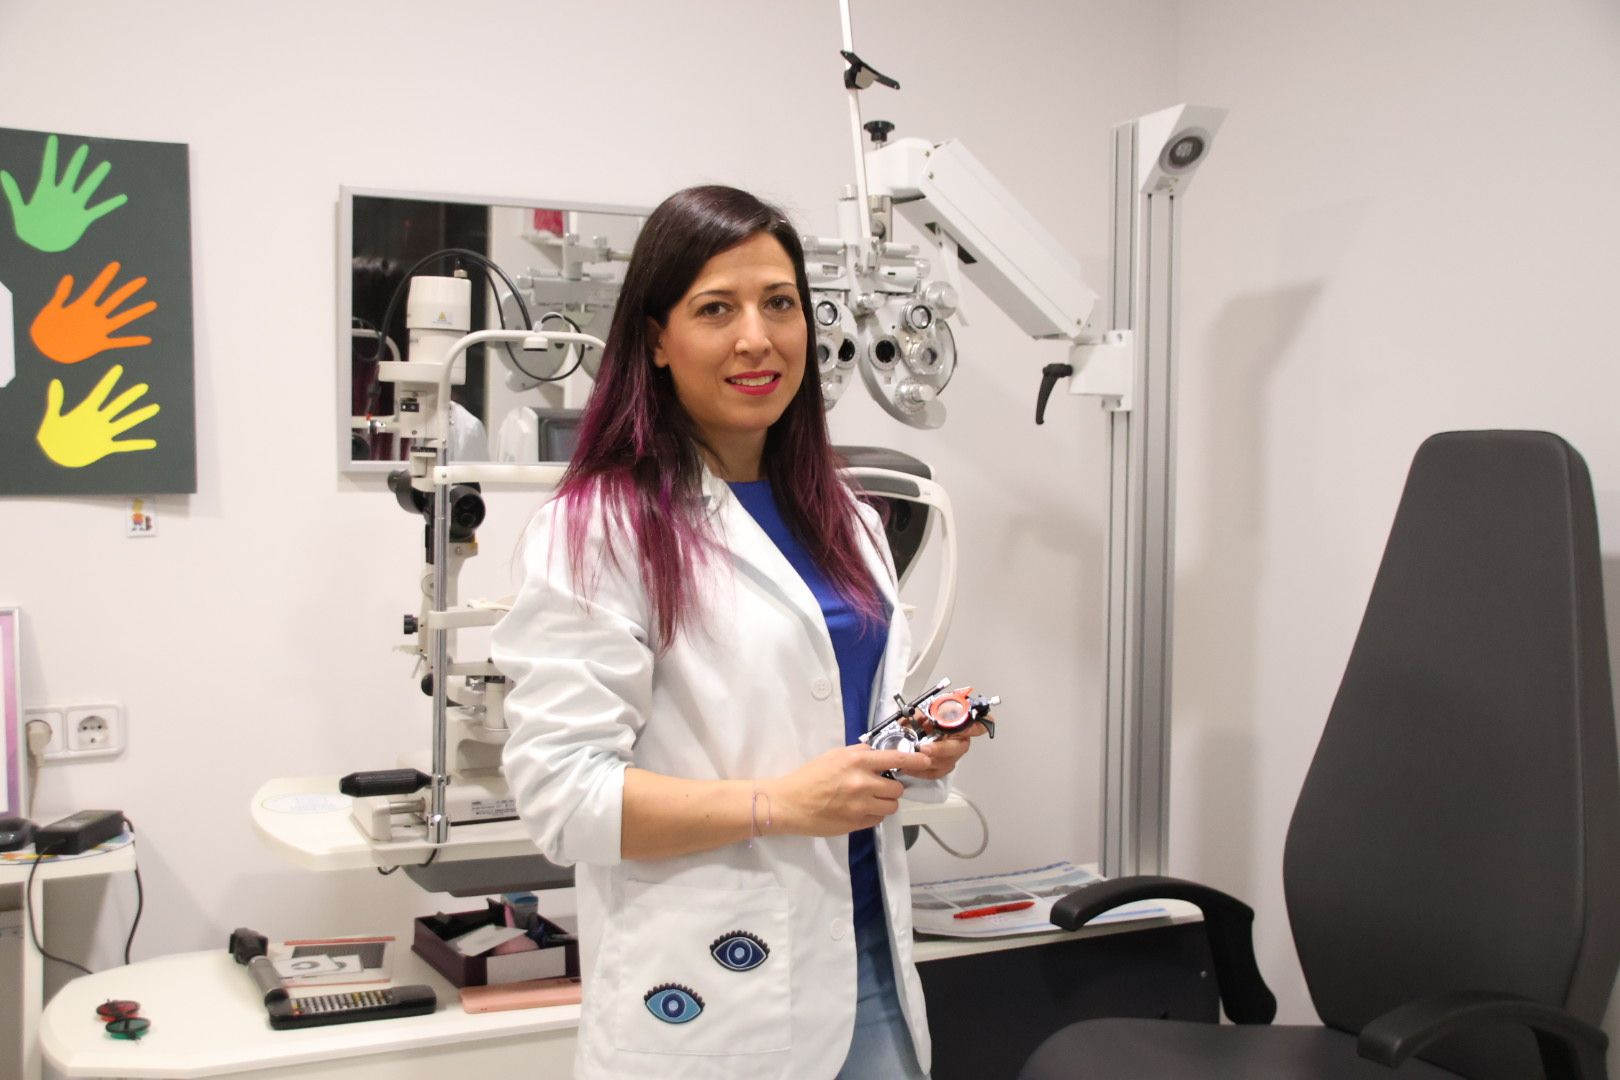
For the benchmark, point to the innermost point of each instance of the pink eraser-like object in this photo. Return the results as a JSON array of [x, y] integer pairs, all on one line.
[[516, 945]]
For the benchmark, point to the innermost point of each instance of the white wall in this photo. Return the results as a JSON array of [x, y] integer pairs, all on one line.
[[1403, 228], [1407, 226], [250, 639]]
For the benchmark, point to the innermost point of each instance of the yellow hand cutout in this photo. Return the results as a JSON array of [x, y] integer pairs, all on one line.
[[90, 431]]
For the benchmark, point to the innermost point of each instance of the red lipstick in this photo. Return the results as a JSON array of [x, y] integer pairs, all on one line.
[[773, 379]]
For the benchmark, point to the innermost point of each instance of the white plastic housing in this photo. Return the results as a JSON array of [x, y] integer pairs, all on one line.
[[1162, 137], [439, 303], [1017, 263], [438, 311], [928, 493]]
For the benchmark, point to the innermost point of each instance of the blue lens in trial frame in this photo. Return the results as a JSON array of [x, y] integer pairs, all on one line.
[[739, 951], [673, 1004]]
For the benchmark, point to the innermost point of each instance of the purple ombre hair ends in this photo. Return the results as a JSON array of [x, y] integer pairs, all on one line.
[[637, 467]]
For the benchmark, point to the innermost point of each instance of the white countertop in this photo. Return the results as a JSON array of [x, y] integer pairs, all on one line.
[[305, 820], [208, 1018], [108, 859]]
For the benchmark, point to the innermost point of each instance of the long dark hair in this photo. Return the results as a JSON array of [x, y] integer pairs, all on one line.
[[637, 462]]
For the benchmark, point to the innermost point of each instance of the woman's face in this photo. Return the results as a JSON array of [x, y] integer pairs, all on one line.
[[735, 347]]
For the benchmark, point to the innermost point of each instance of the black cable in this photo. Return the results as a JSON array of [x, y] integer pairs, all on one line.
[[491, 270], [579, 351], [464, 253], [511, 357], [33, 931], [404, 284], [385, 871], [140, 894], [500, 317]]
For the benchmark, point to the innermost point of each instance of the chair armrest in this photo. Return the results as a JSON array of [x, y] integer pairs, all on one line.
[[1228, 921], [1571, 1049]]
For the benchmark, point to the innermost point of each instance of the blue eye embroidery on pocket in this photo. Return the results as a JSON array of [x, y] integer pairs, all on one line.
[[673, 1003], [739, 951]]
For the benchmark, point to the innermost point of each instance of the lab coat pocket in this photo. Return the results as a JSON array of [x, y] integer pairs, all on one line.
[[702, 971]]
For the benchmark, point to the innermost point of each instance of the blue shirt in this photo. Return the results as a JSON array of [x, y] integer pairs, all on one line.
[[859, 649]]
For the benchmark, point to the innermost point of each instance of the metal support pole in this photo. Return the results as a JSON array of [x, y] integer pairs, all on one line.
[[868, 259], [438, 819], [1141, 537], [438, 822]]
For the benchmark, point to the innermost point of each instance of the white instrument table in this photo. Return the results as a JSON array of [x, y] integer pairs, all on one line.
[[208, 1020], [100, 861], [305, 820]]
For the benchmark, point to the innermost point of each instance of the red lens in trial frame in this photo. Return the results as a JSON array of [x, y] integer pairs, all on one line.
[[950, 712]]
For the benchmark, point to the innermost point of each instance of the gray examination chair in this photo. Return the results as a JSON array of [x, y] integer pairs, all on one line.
[[1452, 870]]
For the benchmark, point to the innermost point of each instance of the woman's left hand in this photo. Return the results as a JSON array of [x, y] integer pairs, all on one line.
[[939, 757]]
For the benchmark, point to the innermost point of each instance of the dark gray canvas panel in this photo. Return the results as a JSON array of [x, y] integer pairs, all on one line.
[[82, 221]]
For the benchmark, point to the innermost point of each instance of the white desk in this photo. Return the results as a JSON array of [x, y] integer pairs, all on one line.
[[14, 877], [208, 1020]]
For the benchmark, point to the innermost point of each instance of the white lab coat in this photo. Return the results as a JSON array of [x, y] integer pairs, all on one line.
[[749, 690]]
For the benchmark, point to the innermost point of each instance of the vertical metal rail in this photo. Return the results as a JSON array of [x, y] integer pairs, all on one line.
[[1116, 701], [1141, 535], [438, 822], [867, 257]]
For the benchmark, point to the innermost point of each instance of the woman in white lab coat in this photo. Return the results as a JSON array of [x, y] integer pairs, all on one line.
[[708, 618]]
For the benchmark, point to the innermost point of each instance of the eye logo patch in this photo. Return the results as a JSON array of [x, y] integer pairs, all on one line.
[[739, 951], [673, 1003]]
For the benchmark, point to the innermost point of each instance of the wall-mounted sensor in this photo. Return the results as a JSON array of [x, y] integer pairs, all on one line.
[[1184, 151], [1172, 143]]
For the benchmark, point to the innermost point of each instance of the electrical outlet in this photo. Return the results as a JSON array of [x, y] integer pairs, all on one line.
[[82, 731], [94, 730], [52, 718], [89, 732]]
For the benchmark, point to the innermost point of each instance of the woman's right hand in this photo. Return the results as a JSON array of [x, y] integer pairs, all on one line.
[[839, 792]]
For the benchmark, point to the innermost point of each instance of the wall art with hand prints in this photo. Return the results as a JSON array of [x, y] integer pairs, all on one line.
[[96, 372]]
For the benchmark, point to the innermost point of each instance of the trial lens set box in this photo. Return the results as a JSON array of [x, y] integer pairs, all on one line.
[[507, 941]]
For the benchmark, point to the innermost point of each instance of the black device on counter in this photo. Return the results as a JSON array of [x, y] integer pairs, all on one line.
[[78, 833], [15, 832], [248, 947], [360, 785]]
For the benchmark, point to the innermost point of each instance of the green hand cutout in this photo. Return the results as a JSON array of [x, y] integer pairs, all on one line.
[[89, 432], [56, 216]]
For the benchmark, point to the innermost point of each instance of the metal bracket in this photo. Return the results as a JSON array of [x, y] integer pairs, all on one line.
[[1106, 369]]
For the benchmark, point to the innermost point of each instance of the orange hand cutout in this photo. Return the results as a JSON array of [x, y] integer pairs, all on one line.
[[69, 333]]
